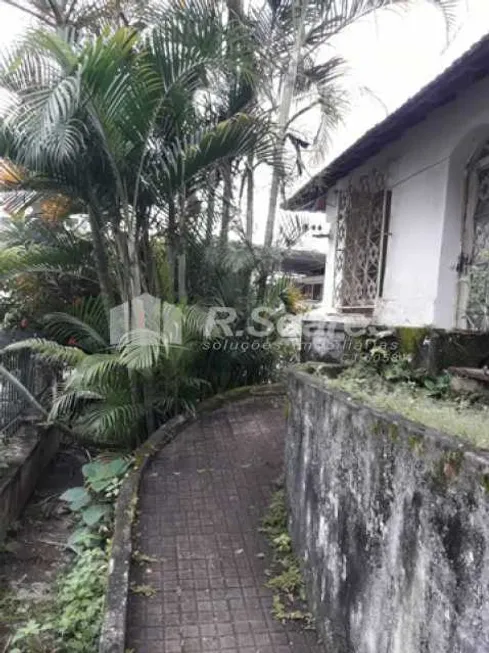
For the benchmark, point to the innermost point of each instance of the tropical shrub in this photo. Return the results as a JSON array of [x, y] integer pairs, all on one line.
[[45, 265], [94, 501], [119, 394], [154, 112]]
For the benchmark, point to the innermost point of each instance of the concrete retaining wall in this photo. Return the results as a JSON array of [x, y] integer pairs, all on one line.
[[33, 450], [392, 521], [433, 350]]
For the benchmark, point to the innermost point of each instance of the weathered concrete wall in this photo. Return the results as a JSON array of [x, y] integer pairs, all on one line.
[[443, 349], [433, 350], [393, 523], [34, 449]]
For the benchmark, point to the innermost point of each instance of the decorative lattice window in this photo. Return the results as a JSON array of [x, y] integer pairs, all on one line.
[[361, 239], [477, 317]]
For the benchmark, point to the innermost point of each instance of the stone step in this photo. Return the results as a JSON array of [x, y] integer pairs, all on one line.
[[469, 380]]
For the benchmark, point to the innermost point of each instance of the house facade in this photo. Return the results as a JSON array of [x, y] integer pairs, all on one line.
[[408, 209]]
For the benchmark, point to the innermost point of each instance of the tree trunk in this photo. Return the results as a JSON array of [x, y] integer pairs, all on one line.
[[250, 198], [227, 200], [182, 253], [134, 265], [122, 253], [182, 277], [101, 261], [148, 263], [283, 118], [211, 207], [171, 246], [235, 15]]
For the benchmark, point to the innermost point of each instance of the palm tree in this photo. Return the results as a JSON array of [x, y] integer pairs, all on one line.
[[128, 105], [305, 26], [81, 15]]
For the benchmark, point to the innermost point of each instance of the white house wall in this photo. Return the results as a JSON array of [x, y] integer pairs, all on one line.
[[425, 171]]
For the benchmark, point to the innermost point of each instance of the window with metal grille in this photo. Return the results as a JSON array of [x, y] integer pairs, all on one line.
[[361, 240]]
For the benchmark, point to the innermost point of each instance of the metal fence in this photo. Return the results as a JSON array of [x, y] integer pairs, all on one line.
[[34, 375]]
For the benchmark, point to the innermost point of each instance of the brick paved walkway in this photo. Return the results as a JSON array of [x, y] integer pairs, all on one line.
[[202, 499]]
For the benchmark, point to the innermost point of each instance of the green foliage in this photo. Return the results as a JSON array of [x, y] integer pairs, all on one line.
[[143, 590], [282, 613], [274, 523], [50, 352], [84, 324], [143, 558], [71, 622], [118, 396], [386, 358], [94, 502], [44, 266], [421, 399], [438, 387], [381, 354], [105, 477], [149, 113], [69, 619], [285, 575], [289, 581]]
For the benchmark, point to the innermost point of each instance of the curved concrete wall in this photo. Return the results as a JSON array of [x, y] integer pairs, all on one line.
[[392, 521]]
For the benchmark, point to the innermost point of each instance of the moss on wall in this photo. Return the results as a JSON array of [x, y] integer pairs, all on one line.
[[410, 339]]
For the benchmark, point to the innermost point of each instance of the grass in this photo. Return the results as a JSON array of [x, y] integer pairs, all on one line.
[[285, 575], [451, 415]]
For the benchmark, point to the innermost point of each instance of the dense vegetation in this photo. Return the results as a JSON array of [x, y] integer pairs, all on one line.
[[131, 134], [395, 385], [126, 131]]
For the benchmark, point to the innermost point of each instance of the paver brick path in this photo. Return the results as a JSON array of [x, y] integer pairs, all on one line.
[[202, 499]]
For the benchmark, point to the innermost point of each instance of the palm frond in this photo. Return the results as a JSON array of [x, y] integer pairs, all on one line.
[[98, 372], [51, 352], [114, 420], [70, 402], [230, 138], [44, 260], [86, 325], [292, 227], [312, 74], [141, 349]]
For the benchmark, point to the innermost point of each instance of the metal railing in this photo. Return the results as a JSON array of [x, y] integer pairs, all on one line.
[[34, 375]]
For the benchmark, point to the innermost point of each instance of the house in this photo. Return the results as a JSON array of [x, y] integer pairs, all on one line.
[[306, 269], [408, 208]]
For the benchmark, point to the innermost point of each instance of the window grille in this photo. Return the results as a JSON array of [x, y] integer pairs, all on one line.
[[478, 303], [361, 239]]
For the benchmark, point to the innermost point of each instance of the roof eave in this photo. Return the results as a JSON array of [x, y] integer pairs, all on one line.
[[464, 72]]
